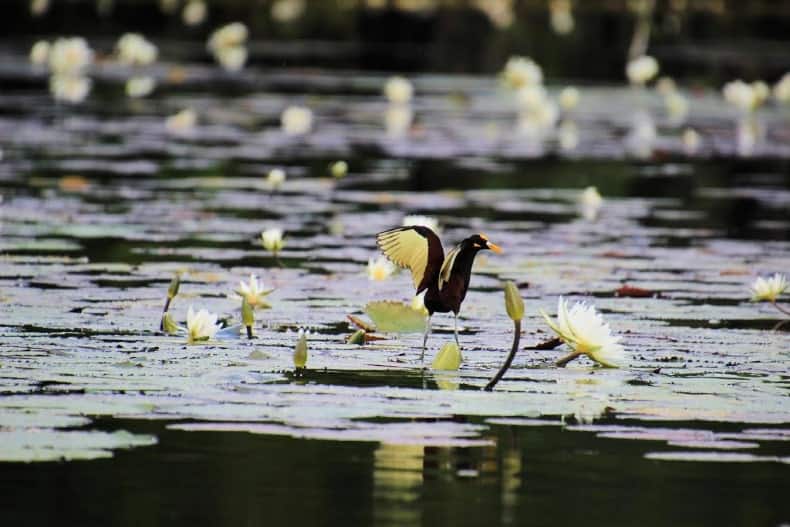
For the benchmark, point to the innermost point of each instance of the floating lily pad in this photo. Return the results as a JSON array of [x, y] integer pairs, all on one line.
[[396, 317]]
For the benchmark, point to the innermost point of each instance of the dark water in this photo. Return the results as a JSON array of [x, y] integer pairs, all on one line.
[[536, 475]]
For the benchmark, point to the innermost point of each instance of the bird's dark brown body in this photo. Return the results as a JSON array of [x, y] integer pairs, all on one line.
[[444, 278]]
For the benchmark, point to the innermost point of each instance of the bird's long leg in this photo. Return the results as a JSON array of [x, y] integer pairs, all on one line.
[[425, 337], [455, 328]]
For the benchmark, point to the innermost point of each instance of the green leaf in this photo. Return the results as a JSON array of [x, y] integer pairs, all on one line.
[[396, 317]]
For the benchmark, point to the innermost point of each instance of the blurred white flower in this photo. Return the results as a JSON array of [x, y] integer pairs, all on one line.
[[768, 289], [691, 141], [677, 107], [568, 135], [253, 292], [231, 58], [140, 86], [276, 178], [72, 89], [296, 120], [741, 95], [420, 220], [584, 330], [182, 122], [500, 12], [398, 119], [748, 133], [539, 119], [39, 7], [194, 12], [272, 239], [531, 97], [641, 70], [338, 169], [380, 268], [589, 203], [782, 89], [227, 36], [569, 98], [642, 136], [39, 53], [69, 56], [761, 91], [168, 6], [135, 50], [665, 85], [285, 11], [201, 326], [520, 72], [398, 90], [561, 16]]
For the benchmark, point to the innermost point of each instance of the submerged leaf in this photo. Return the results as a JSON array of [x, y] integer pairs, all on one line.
[[396, 317]]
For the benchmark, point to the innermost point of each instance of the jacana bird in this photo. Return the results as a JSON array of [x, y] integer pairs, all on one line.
[[444, 278]]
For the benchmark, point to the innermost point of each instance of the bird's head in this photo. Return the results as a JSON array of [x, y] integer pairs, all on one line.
[[480, 242]]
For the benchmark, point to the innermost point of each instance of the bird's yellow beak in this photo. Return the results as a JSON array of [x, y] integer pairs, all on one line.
[[496, 248]]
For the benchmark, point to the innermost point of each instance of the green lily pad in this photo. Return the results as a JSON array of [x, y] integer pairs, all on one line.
[[396, 317]]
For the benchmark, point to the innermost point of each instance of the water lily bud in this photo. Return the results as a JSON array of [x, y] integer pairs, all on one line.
[[448, 358], [175, 283], [338, 169], [513, 302], [358, 337], [300, 353], [247, 315], [169, 325]]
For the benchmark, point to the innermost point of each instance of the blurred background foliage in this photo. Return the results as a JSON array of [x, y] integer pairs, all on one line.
[[706, 41]]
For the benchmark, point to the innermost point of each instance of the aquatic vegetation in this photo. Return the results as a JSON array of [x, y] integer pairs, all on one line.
[[781, 89], [514, 305], [300, 350], [398, 90], [589, 203], [768, 289], [275, 178], [641, 70], [448, 358], [228, 45], [194, 12], [201, 326], [746, 97], [70, 89], [380, 268], [338, 169], [677, 107], [296, 120], [247, 316], [272, 240], [133, 49], [691, 141], [561, 17], [69, 57], [182, 122], [395, 317], [172, 292], [253, 292], [137, 87], [39, 53], [569, 98], [584, 330], [520, 72]]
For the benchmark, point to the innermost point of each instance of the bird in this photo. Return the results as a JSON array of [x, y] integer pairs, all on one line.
[[444, 278]]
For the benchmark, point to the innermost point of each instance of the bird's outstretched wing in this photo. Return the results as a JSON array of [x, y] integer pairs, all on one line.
[[447, 265], [416, 248]]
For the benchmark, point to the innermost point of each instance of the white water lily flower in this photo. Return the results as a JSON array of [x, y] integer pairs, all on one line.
[[782, 89], [296, 120], [398, 119], [276, 178], [182, 122], [140, 86], [531, 97], [741, 95], [272, 239], [228, 36], [691, 141], [380, 268], [253, 292], [194, 12], [39, 53], [589, 203], [761, 91], [569, 98], [768, 289], [398, 90], [232, 58], [338, 169], [568, 135], [641, 70], [69, 56], [135, 50], [561, 16], [418, 219], [285, 11], [665, 85], [642, 136], [201, 326], [584, 330], [39, 7], [677, 107], [69, 88], [520, 72]]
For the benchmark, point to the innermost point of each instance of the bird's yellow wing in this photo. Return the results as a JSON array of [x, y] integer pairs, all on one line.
[[405, 247], [447, 266]]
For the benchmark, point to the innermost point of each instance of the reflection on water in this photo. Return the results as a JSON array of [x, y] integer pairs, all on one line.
[[397, 483]]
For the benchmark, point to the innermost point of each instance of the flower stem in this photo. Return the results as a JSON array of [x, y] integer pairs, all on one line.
[[509, 360], [249, 332], [780, 308], [567, 358], [164, 312]]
